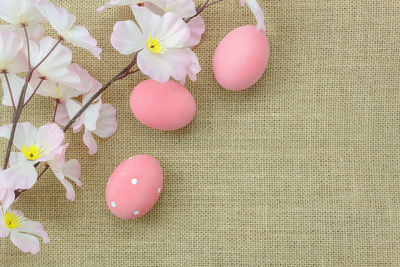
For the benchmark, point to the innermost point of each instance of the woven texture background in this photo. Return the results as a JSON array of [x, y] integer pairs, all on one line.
[[301, 169]]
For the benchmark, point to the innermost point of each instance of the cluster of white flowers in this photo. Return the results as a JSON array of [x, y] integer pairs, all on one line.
[[25, 48], [32, 63]]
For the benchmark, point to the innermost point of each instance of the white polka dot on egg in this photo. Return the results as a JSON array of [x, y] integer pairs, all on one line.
[[134, 181], [136, 213], [159, 190], [113, 204]]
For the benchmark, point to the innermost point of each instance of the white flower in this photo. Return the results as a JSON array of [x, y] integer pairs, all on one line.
[[55, 69], [22, 231], [20, 13], [36, 145], [161, 43], [63, 23], [19, 176], [70, 169], [12, 59], [64, 92], [257, 11]]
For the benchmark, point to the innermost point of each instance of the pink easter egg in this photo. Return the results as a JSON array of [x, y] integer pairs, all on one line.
[[241, 58], [162, 106], [134, 187]]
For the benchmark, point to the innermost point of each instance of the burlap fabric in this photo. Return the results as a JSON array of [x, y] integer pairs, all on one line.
[[302, 169]]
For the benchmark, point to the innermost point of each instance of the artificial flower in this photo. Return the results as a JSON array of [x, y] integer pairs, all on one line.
[[20, 12], [70, 169], [19, 176], [36, 145], [184, 8], [55, 69], [257, 11], [23, 232], [16, 84], [12, 59], [160, 43], [63, 23], [64, 92]]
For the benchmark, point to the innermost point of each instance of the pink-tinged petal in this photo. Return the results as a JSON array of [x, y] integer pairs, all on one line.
[[175, 63], [25, 134], [59, 58], [16, 84], [87, 80], [18, 158], [50, 137], [89, 141], [242, 2], [26, 243], [174, 31], [73, 108], [91, 115], [107, 122], [35, 32], [20, 176], [65, 77], [70, 193], [4, 231], [72, 170], [7, 198], [197, 28], [62, 116], [34, 228], [19, 12], [147, 20], [79, 36], [195, 67], [117, 3], [10, 45], [127, 37], [59, 159], [95, 88], [58, 17]]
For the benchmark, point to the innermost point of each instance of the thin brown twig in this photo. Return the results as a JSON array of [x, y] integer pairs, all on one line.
[[27, 45], [10, 91], [20, 191], [48, 54], [55, 109], [34, 92], [200, 9]]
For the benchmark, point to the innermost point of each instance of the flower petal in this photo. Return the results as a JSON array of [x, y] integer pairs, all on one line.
[[25, 134], [117, 3], [147, 20], [258, 13], [90, 142], [62, 116], [8, 197], [20, 176], [16, 84], [58, 17], [79, 36], [35, 228], [70, 194], [50, 137], [72, 170], [174, 31], [127, 37], [10, 45], [73, 108], [107, 122], [26, 243], [91, 115], [197, 28], [184, 8]]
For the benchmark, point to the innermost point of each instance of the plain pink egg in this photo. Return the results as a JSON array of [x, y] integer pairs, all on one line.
[[134, 187], [241, 58], [162, 106]]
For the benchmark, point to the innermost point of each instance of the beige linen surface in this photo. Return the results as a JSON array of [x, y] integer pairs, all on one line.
[[301, 169]]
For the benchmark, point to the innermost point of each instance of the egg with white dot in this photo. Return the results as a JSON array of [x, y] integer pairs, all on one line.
[[134, 187]]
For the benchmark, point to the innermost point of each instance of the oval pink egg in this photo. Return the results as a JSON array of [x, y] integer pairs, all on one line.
[[241, 58], [163, 106], [134, 187]]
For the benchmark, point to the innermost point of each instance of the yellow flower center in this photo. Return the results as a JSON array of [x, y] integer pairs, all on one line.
[[32, 152], [12, 220], [155, 45]]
